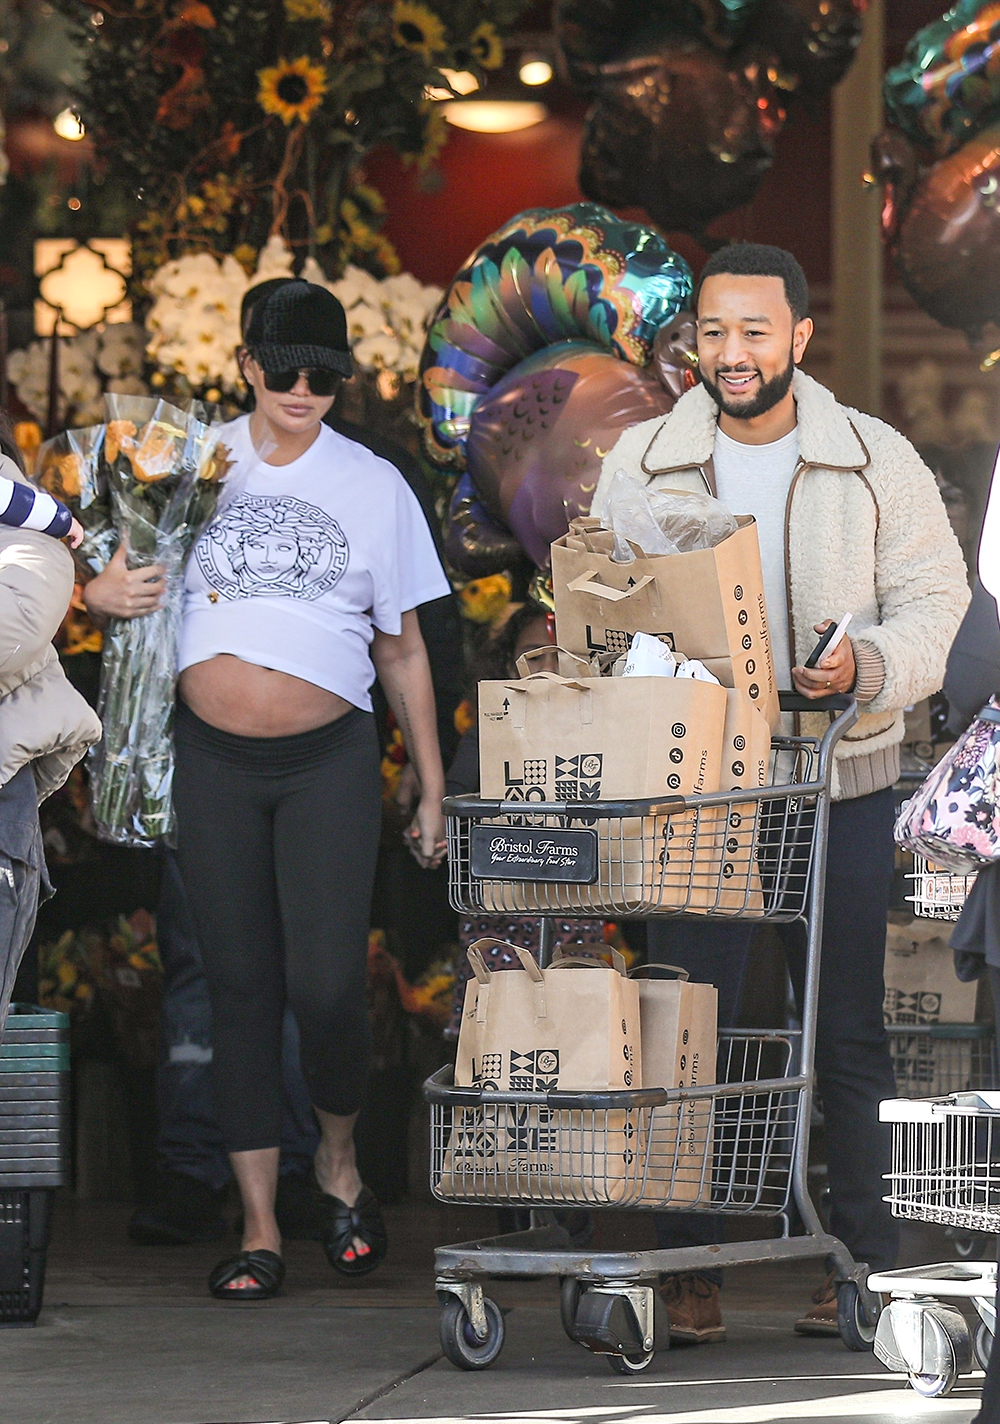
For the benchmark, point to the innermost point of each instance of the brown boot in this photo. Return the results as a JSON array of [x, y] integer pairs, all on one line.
[[822, 1319], [693, 1309]]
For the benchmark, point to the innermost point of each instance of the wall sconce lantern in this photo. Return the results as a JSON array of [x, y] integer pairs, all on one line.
[[81, 284]]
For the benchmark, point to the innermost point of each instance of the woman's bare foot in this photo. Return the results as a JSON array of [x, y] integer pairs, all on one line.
[[337, 1175]]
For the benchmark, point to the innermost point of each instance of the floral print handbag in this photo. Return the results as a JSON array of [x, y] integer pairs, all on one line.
[[954, 817]]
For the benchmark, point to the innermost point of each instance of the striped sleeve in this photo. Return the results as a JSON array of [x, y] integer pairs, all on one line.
[[23, 507]]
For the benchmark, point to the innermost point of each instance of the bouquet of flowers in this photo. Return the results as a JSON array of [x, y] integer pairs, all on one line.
[[148, 479]]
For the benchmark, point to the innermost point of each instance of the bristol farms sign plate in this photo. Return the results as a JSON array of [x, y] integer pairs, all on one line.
[[503, 853]]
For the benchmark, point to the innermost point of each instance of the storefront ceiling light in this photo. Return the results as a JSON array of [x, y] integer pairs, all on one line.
[[535, 69], [67, 125], [494, 115]]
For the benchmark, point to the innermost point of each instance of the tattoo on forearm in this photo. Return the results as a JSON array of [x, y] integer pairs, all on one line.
[[406, 728]]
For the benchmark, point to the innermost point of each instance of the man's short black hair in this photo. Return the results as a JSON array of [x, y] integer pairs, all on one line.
[[759, 259]]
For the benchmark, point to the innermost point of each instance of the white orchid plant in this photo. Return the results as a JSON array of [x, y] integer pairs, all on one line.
[[193, 330], [89, 364]]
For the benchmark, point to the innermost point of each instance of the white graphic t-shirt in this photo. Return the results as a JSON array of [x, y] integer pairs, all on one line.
[[303, 561]]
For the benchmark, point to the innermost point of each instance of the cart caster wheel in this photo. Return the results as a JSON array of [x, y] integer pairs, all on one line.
[[460, 1342], [982, 1344], [854, 1328], [570, 1291], [630, 1364], [933, 1386]]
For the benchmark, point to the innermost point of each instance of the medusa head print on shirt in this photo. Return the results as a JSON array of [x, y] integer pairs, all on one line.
[[261, 545]]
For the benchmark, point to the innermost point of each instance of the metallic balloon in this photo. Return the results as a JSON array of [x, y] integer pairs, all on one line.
[[675, 354], [549, 275], [948, 83], [538, 439], [681, 130], [476, 544], [948, 238], [814, 41], [589, 32]]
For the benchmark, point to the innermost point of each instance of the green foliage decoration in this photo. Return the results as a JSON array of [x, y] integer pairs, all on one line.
[[229, 120]]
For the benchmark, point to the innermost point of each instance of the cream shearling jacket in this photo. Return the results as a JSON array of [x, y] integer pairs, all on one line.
[[44, 721], [866, 533]]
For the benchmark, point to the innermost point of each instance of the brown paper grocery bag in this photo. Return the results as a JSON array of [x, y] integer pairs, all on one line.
[[710, 603], [679, 1027], [549, 738], [726, 875], [571, 1027]]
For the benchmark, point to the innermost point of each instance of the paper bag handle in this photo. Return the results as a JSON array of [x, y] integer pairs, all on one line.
[[525, 660], [586, 961], [530, 964], [585, 584], [483, 977], [646, 971], [538, 680]]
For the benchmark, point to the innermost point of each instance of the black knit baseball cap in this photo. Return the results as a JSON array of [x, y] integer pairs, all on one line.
[[299, 325]]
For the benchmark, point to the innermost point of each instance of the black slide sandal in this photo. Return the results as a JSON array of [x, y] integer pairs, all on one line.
[[266, 1267], [341, 1223]]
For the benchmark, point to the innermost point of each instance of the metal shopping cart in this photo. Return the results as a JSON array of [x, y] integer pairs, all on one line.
[[945, 1169], [933, 1060], [739, 1146]]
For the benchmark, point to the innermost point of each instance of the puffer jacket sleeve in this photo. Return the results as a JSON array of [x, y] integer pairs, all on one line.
[[921, 582], [36, 585]]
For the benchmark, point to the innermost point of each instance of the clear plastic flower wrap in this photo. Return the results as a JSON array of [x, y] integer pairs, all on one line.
[[69, 467], [661, 521], [163, 469]]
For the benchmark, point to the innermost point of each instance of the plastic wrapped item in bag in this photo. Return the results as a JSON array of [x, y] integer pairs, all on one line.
[[626, 511], [662, 521], [691, 520]]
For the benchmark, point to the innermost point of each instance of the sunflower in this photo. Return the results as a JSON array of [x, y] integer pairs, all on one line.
[[293, 89], [417, 28], [486, 46], [307, 9]]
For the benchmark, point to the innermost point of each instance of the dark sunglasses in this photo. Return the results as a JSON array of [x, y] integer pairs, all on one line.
[[320, 382]]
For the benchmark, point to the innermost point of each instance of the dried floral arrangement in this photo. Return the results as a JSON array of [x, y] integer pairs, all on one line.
[[234, 120]]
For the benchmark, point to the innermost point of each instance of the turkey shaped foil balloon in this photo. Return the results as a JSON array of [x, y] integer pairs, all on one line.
[[561, 330]]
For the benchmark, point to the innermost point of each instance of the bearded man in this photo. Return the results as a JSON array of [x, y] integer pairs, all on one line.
[[850, 521]]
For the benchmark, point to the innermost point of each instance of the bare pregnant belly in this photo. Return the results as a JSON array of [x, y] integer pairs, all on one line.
[[252, 701]]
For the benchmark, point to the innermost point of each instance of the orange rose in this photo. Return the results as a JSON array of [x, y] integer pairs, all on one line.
[[154, 457], [120, 436], [70, 475]]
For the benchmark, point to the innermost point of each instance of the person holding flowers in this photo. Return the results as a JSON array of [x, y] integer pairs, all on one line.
[[302, 588]]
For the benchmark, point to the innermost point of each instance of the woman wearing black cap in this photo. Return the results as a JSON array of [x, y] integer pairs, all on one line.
[[304, 587]]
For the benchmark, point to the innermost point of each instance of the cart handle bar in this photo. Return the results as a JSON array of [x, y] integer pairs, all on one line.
[[438, 1089]]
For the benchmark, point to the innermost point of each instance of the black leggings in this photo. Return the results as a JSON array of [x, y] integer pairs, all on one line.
[[277, 839]]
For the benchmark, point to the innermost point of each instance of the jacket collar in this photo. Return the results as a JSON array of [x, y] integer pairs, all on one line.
[[827, 436]]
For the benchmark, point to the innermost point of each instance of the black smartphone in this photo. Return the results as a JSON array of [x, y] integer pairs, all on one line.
[[831, 635]]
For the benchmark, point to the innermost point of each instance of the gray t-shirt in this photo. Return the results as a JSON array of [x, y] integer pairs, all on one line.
[[755, 479]]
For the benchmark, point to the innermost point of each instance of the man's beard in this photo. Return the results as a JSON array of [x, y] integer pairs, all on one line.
[[768, 395]]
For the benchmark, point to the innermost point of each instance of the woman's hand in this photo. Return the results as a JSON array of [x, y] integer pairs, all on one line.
[[425, 835], [121, 592]]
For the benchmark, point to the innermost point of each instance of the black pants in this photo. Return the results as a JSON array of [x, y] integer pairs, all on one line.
[[853, 1066], [277, 842]]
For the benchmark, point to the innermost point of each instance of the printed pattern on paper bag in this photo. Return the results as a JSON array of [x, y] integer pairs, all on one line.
[[618, 640], [922, 1006], [487, 1072], [578, 778], [534, 1072]]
